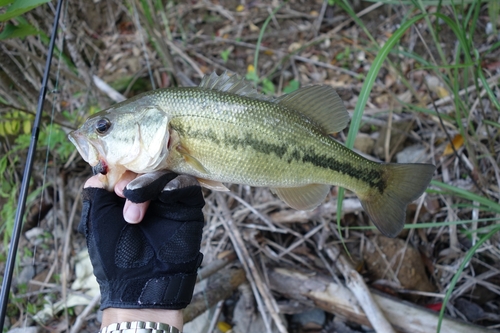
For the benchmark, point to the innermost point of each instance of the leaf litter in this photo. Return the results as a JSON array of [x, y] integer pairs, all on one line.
[[305, 43]]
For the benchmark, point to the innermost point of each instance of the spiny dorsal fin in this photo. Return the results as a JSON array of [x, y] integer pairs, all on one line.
[[321, 104], [234, 84]]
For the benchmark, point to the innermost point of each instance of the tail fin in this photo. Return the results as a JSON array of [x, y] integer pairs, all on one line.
[[403, 184]]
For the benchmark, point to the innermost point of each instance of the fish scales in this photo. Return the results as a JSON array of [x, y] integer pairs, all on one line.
[[279, 151], [225, 132]]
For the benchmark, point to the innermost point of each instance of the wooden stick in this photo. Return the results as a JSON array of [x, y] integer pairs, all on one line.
[[241, 252], [215, 266], [220, 286], [250, 268], [358, 287], [319, 291], [83, 316]]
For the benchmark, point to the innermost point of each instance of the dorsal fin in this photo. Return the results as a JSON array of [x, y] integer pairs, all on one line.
[[321, 104], [234, 84]]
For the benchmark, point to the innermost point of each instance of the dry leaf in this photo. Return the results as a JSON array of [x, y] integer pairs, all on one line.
[[457, 141], [389, 80], [294, 47], [253, 27], [436, 86], [441, 92], [223, 326]]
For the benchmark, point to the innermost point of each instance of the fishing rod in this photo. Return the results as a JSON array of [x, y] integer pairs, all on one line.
[[21, 204]]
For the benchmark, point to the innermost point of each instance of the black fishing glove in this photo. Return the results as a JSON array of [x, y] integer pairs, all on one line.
[[152, 264]]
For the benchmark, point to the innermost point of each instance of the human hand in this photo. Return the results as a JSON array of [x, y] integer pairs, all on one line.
[[151, 264], [145, 187]]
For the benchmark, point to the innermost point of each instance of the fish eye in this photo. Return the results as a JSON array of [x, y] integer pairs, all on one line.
[[102, 125]]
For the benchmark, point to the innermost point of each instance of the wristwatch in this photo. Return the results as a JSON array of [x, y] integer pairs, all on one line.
[[139, 327]]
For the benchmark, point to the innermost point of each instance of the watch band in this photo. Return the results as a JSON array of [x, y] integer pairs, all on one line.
[[139, 327]]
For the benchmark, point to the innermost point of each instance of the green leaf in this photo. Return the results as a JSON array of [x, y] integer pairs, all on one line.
[[19, 7], [20, 31], [6, 2], [268, 86], [252, 76], [291, 86], [225, 54]]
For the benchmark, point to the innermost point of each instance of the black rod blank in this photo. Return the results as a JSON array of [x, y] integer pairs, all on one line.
[[21, 204]]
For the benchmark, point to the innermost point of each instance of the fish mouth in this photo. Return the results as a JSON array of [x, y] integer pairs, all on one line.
[[81, 144], [101, 167], [88, 152]]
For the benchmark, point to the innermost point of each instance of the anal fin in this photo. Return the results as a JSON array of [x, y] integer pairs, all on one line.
[[305, 197]]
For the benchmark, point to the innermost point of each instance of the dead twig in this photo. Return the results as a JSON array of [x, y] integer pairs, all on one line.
[[82, 316], [358, 287], [258, 286], [215, 266]]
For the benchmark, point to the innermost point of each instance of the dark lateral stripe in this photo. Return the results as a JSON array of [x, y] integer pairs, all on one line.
[[258, 145], [370, 176]]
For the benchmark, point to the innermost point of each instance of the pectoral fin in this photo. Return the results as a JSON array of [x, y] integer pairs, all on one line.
[[212, 185], [303, 198], [191, 160]]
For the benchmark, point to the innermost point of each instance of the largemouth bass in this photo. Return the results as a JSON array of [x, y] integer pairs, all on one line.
[[224, 131]]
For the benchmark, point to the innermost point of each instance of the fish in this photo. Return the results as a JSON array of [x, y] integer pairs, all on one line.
[[225, 131]]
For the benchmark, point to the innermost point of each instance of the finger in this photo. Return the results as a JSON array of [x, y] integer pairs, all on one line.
[[126, 178], [148, 186], [133, 212], [94, 181]]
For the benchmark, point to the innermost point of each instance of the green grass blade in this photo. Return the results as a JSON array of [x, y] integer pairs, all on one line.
[[466, 260], [435, 225], [365, 93], [261, 35], [20, 7], [429, 2], [468, 195], [345, 5], [490, 92]]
